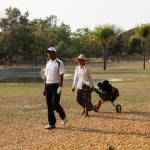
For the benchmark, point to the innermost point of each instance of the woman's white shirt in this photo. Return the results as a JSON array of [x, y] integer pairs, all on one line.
[[82, 76]]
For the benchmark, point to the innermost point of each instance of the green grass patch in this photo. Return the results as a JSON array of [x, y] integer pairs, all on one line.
[[24, 101]]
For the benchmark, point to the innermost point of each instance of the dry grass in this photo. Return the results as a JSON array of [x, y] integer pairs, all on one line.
[[23, 115]]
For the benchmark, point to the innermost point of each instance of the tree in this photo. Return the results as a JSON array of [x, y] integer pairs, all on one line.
[[142, 31], [13, 17], [116, 46], [135, 45], [8, 24], [63, 34], [40, 40], [103, 34]]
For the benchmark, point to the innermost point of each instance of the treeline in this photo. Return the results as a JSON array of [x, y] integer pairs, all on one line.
[[25, 41]]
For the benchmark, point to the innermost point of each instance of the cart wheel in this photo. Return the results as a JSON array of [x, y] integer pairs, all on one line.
[[118, 108]]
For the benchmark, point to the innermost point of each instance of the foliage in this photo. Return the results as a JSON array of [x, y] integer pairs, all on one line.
[[13, 17], [104, 34], [142, 31], [22, 40]]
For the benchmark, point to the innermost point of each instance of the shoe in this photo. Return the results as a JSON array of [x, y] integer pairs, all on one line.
[[64, 121], [49, 126], [83, 112]]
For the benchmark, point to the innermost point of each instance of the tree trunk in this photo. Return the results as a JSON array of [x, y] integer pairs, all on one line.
[[17, 58], [104, 61], [35, 59], [104, 53], [118, 58], [143, 58]]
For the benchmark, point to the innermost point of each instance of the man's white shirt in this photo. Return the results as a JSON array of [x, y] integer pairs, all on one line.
[[53, 71]]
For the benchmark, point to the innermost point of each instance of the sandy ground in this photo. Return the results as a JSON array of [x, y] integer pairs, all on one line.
[[23, 117], [99, 131]]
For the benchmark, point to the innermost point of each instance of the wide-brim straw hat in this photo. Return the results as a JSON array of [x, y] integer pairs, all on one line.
[[81, 56]]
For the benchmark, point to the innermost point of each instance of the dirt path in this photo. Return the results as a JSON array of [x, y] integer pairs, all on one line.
[[100, 131]]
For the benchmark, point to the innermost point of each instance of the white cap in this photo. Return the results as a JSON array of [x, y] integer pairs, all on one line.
[[51, 49]]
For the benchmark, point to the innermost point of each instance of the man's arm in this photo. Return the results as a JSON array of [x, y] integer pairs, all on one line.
[[61, 80], [59, 90], [44, 90]]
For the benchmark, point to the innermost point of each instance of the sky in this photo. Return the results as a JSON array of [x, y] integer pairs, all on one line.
[[125, 14]]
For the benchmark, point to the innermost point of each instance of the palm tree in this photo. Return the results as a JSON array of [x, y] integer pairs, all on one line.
[[142, 31], [103, 34]]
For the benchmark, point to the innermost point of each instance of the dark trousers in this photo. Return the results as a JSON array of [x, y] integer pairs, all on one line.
[[53, 100]]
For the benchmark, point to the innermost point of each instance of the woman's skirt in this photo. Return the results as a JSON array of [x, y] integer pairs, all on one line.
[[84, 97]]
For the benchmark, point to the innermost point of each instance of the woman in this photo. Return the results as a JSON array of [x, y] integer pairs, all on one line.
[[84, 81]]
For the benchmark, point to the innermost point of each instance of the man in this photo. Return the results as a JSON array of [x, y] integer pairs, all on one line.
[[53, 81]]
